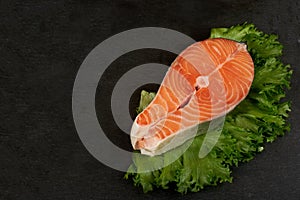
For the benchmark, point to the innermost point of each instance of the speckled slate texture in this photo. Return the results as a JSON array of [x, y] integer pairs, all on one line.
[[42, 45]]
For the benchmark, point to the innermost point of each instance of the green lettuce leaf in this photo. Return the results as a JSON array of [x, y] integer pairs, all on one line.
[[146, 98], [261, 117]]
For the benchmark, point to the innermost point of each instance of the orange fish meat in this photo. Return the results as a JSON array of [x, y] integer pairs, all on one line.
[[206, 81]]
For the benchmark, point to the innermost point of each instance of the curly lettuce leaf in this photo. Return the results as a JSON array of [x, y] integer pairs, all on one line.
[[145, 99], [260, 118]]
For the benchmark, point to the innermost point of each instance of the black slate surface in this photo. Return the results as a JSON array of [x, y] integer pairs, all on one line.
[[42, 45]]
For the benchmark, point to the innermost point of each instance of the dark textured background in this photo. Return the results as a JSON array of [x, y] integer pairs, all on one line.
[[42, 45]]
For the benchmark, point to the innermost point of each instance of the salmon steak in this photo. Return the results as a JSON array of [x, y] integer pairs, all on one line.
[[206, 81]]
